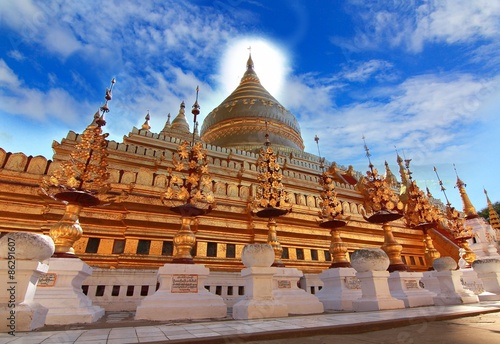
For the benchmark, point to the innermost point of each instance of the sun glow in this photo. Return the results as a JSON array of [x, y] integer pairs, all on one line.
[[270, 64]]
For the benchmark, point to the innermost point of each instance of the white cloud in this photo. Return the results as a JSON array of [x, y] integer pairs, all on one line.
[[8, 78], [429, 116], [362, 71], [18, 99], [455, 21], [412, 24], [16, 55]]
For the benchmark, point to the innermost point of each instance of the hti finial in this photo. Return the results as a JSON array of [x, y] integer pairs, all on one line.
[[196, 108], [321, 160], [368, 155], [442, 187], [104, 109], [459, 181]]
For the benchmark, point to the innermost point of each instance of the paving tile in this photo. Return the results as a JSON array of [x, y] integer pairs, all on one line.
[[94, 341], [122, 341], [181, 336], [207, 334], [152, 339]]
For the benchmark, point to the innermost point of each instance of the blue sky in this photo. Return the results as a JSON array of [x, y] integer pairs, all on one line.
[[422, 76]]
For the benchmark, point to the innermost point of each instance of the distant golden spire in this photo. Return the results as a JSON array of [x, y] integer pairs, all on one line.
[[146, 125], [167, 125], [494, 218], [180, 123], [389, 176], [469, 210]]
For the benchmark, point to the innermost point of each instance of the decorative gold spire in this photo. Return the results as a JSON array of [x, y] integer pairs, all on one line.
[[379, 197], [456, 226], [189, 189], [79, 181], [419, 211], [271, 199], [180, 123], [494, 218], [331, 215], [389, 176], [405, 180], [85, 175], [271, 195], [167, 125], [146, 125], [469, 210]]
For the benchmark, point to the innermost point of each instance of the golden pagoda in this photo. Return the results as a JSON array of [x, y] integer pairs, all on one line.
[[134, 237], [239, 122]]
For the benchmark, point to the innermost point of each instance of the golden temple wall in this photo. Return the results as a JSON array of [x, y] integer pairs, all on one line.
[[137, 232]]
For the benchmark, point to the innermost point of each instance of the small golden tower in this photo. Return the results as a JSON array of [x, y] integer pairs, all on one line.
[[332, 215], [455, 224], [189, 191], [494, 218], [386, 207], [421, 214], [80, 181], [271, 197]]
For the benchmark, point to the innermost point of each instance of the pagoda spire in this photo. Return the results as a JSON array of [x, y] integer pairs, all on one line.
[[405, 180], [167, 125], [146, 125], [469, 210], [494, 218], [180, 123], [389, 176]]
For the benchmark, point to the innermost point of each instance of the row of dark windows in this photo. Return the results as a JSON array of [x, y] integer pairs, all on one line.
[[143, 247], [168, 250], [115, 291]]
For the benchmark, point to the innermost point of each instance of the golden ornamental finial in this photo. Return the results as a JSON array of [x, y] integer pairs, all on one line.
[[379, 196], [271, 196], [189, 182], [146, 125], [455, 222], [84, 176], [419, 212]]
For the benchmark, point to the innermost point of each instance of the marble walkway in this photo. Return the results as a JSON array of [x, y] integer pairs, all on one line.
[[112, 330]]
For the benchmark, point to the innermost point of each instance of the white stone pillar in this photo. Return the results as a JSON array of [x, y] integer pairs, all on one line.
[[259, 301], [21, 256], [341, 287], [451, 290], [62, 293], [406, 286], [371, 266], [430, 282], [181, 296], [286, 290], [488, 271], [18, 311]]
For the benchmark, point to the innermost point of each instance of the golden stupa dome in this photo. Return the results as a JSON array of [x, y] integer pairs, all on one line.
[[242, 119]]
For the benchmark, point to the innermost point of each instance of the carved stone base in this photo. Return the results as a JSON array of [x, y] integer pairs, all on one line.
[[65, 300], [451, 290], [341, 287], [375, 293], [286, 290], [259, 301], [181, 296], [406, 286]]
